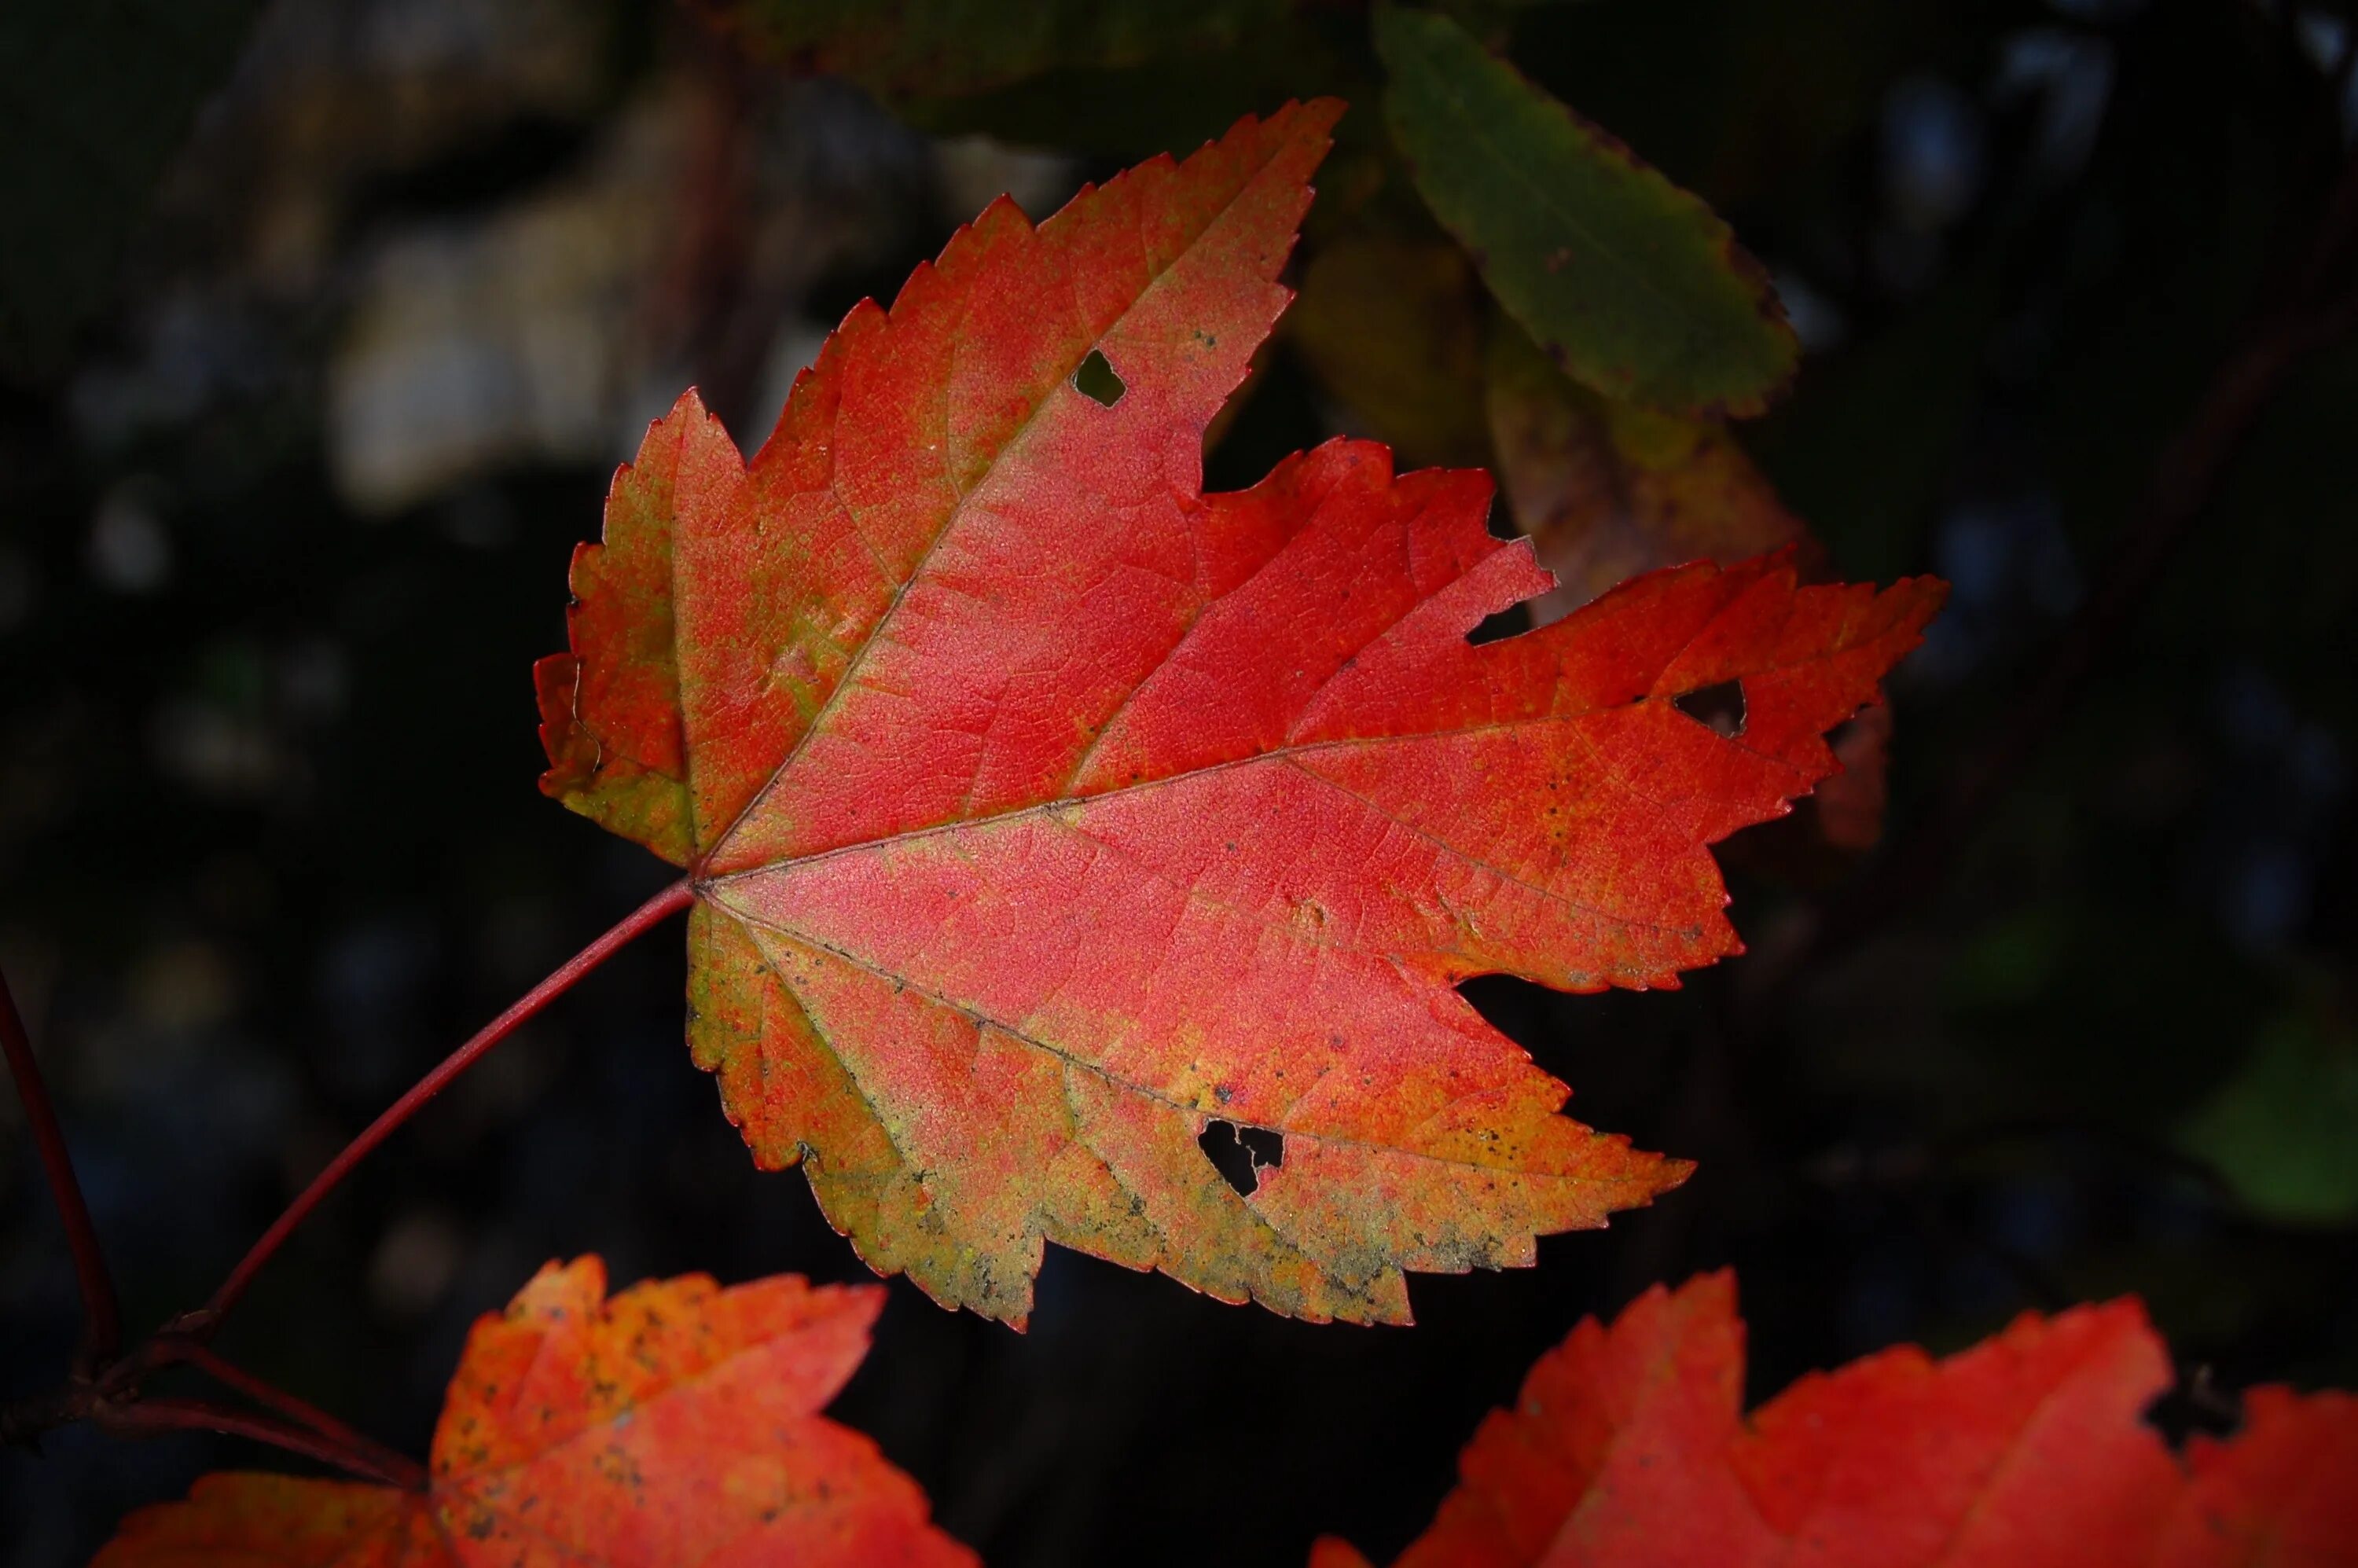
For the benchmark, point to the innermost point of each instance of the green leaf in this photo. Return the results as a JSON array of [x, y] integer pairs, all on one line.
[[1632, 285], [2278, 1132]]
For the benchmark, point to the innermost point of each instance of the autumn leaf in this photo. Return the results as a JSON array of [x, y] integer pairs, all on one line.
[[676, 1423], [1044, 811], [1397, 332], [1630, 284], [1849, 805], [1605, 490], [1627, 1446]]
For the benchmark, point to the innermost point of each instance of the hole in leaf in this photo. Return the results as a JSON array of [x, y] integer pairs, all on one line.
[[1511, 622], [2195, 1406], [1096, 380], [1719, 707], [1239, 1153]]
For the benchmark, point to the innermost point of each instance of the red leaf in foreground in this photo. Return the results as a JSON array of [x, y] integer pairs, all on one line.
[[1627, 1446], [1043, 809], [677, 1423]]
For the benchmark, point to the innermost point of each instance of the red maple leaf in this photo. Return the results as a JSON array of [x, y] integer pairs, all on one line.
[[677, 1423], [1627, 1446], [1043, 810]]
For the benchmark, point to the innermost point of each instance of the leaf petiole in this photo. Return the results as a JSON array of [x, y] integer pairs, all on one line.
[[201, 1323], [150, 1418], [389, 1463]]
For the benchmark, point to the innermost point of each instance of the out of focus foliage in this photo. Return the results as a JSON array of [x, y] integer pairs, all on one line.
[[93, 101], [280, 499]]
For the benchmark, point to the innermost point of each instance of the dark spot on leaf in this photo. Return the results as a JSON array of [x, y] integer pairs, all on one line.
[[1096, 380], [1239, 1153], [1720, 706]]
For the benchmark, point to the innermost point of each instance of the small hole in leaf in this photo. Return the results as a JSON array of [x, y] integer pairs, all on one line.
[[1239, 1153], [1096, 380], [2196, 1406], [1720, 706], [1511, 622]]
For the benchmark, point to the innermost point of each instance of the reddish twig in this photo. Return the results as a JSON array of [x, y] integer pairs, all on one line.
[[397, 1467], [153, 1417], [673, 899], [102, 1320]]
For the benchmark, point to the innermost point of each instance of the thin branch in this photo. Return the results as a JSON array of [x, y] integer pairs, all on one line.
[[202, 1323], [153, 1417], [402, 1470], [102, 1320]]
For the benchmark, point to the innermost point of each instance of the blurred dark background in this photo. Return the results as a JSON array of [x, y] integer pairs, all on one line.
[[325, 325]]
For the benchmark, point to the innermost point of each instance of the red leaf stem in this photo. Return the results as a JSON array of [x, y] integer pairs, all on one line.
[[671, 899], [152, 1418], [397, 1467]]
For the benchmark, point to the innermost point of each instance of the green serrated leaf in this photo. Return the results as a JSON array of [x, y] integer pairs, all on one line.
[[1632, 285]]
